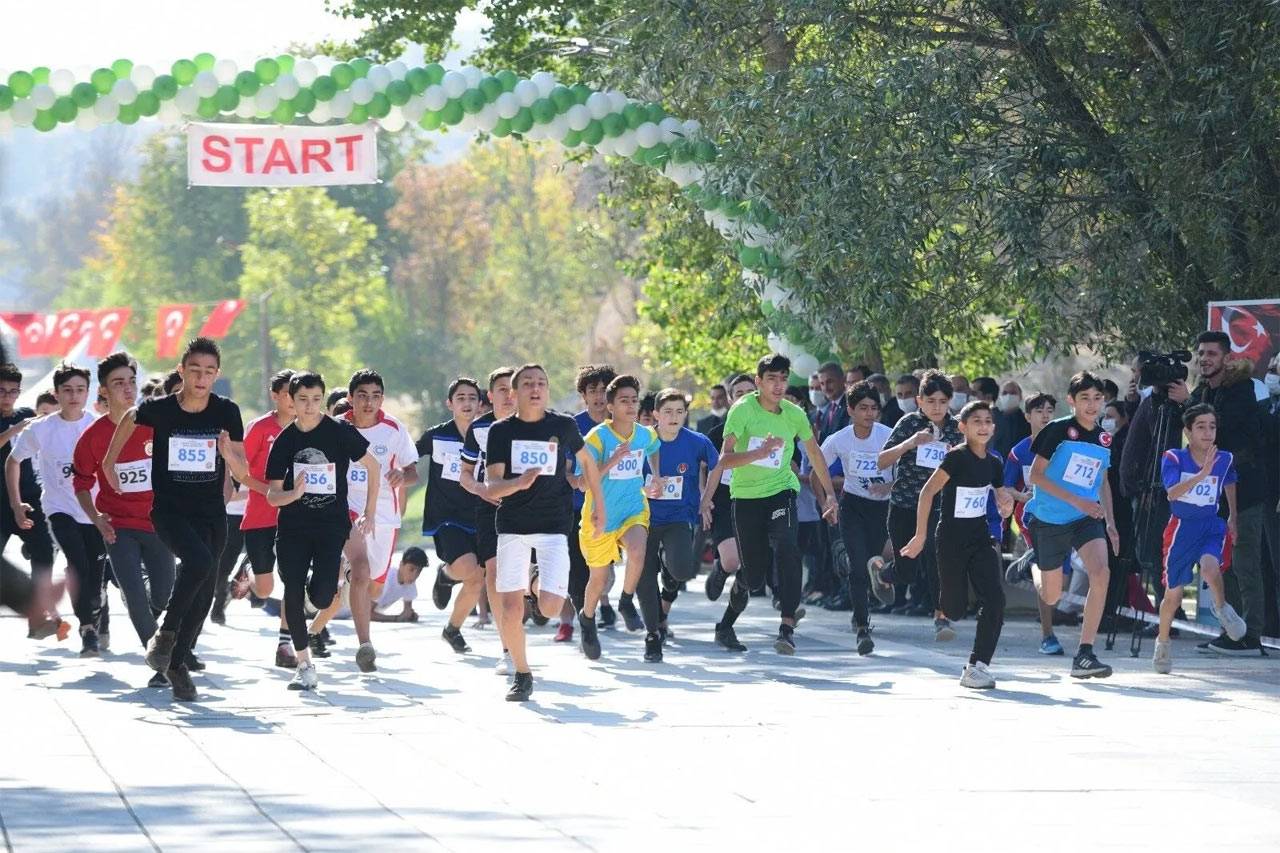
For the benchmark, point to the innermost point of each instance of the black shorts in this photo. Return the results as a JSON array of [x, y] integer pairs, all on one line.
[[453, 542], [486, 534], [38, 541], [722, 517], [1054, 542], [260, 545]]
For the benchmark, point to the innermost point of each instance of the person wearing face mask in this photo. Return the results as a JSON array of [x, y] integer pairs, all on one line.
[[719, 409], [904, 396], [962, 391], [889, 409], [1011, 423], [816, 395]]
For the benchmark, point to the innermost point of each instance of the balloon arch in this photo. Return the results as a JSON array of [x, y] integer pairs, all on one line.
[[285, 88]]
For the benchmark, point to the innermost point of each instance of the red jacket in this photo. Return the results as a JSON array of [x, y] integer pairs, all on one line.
[[131, 508]]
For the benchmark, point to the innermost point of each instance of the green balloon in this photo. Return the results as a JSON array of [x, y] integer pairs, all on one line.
[[204, 61], [324, 88], [430, 120], [452, 113], [581, 92], [593, 133], [40, 75], [490, 88], [165, 87], [304, 101], [84, 95], [435, 73], [473, 102], [543, 110], [614, 125], [502, 128], [750, 257], [122, 68], [247, 83], [147, 103], [379, 105], [283, 113], [208, 108], [128, 114], [360, 66], [64, 109], [227, 98], [705, 152], [358, 115], [399, 92], [6, 97], [572, 139], [184, 71], [266, 68], [418, 80], [103, 79], [285, 61], [634, 115], [655, 113], [523, 121], [21, 83], [508, 79], [342, 75], [562, 97], [680, 152], [44, 121]]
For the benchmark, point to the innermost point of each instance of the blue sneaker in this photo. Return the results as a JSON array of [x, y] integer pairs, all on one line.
[[1050, 646], [271, 607]]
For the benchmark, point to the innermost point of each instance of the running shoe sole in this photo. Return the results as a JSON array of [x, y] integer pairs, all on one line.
[[945, 634]]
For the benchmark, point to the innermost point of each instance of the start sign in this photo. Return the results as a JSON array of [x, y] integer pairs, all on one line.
[[248, 155]]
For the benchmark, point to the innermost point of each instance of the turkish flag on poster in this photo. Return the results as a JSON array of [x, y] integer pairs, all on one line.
[[69, 328], [171, 322], [219, 321], [32, 330], [105, 337]]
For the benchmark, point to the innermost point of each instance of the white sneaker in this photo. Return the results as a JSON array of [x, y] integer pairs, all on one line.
[[504, 664], [976, 676], [304, 678], [1229, 619], [1162, 660]]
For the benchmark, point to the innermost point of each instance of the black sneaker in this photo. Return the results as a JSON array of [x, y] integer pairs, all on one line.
[[1087, 665], [521, 687], [653, 647], [590, 640], [1248, 646], [609, 617], [194, 663], [184, 689], [218, 614], [160, 650], [534, 612], [441, 589], [630, 616], [453, 636], [316, 642], [1018, 574], [324, 635], [715, 582], [158, 680], [89, 647], [727, 639], [785, 644], [865, 645]]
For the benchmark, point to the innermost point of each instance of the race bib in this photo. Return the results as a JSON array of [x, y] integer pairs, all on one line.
[[672, 488], [358, 475], [628, 467], [64, 465], [134, 476], [971, 501], [482, 439], [726, 477], [931, 455], [527, 455], [1203, 493], [1082, 470], [317, 479], [1026, 477], [773, 460], [448, 455], [198, 455], [863, 465]]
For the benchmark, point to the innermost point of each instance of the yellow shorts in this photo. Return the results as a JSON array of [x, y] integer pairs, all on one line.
[[605, 549]]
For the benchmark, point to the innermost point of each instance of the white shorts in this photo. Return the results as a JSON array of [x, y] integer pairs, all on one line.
[[381, 546], [514, 561]]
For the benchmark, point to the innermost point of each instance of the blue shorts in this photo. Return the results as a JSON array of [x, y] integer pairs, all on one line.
[[1186, 540]]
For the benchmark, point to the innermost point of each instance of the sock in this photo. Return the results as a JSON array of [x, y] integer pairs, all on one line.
[[1085, 649], [625, 600], [973, 659], [285, 638]]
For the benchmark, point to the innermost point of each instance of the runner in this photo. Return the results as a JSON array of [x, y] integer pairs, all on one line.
[[228, 587], [142, 565], [764, 490], [308, 474], [967, 552], [194, 430], [684, 460], [1196, 478], [620, 447], [1072, 509], [51, 441], [717, 503], [864, 502], [525, 468], [401, 586], [474, 449]]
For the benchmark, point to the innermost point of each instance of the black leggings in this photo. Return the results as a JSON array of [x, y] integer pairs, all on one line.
[[862, 525], [196, 541], [232, 550], [768, 536], [920, 572], [316, 551], [82, 545], [972, 560], [579, 571], [672, 545]]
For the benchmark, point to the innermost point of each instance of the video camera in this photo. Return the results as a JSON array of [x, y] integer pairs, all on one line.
[[1161, 371]]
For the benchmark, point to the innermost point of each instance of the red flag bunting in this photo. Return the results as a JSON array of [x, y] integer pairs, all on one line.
[[171, 322], [221, 317], [69, 328], [105, 337], [33, 331]]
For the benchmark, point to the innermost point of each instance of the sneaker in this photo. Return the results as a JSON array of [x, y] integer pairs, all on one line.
[[715, 582], [564, 633], [521, 687], [305, 678], [365, 657], [800, 614], [1050, 646], [630, 616], [48, 628], [590, 640], [865, 644], [1230, 621], [1162, 660], [184, 689], [1224, 645], [218, 613], [976, 676], [89, 647], [942, 630], [285, 657], [194, 663], [160, 650], [239, 586], [881, 586], [442, 589], [453, 636], [1087, 665], [504, 666], [104, 641], [1018, 574], [158, 680], [665, 632], [271, 607], [653, 647], [608, 617], [785, 644], [316, 643], [727, 639]]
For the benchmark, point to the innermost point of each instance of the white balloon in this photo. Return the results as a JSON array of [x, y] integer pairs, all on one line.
[[322, 113], [558, 127], [527, 92], [187, 100], [266, 99], [467, 124], [434, 97], [671, 129], [361, 91], [305, 72], [774, 293], [472, 74], [205, 84], [168, 113], [394, 121], [61, 80], [286, 86], [776, 343], [626, 144], [106, 108], [86, 120], [804, 363], [413, 110], [508, 105], [454, 84], [124, 92], [23, 112], [487, 118], [142, 76], [545, 81], [617, 101], [606, 146], [247, 108], [379, 77], [691, 128], [340, 105], [578, 116], [225, 70], [43, 96], [397, 69], [598, 104], [648, 135]]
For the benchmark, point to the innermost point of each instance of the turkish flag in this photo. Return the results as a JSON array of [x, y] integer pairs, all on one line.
[[69, 327], [220, 318], [171, 322], [31, 331], [105, 337]]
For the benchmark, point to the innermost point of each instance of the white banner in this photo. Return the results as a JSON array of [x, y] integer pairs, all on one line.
[[251, 155]]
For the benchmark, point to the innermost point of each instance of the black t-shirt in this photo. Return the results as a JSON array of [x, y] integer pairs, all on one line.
[[547, 505], [446, 502], [474, 448], [968, 491], [28, 488], [186, 467], [326, 451], [720, 500]]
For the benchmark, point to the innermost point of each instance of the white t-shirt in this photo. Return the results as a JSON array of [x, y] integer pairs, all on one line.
[[395, 592], [858, 457], [51, 442], [391, 445]]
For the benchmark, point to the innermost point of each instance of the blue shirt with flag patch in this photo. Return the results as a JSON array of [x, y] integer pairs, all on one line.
[[681, 461], [1078, 461]]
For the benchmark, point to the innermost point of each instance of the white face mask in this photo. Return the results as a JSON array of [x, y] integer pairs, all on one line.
[[1144, 393], [907, 404], [958, 400], [1272, 381], [817, 397], [1109, 425], [1009, 402], [719, 413]]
